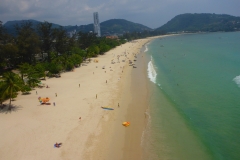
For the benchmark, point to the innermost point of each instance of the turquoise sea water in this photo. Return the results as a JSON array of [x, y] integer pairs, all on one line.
[[194, 109]]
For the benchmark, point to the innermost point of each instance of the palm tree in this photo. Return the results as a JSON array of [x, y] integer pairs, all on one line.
[[24, 69], [12, 83], [1, 92]]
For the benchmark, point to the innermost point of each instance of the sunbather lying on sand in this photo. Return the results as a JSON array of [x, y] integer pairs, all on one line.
[[57, 145]]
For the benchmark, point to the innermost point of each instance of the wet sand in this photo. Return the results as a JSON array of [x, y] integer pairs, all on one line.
[[30, 130]]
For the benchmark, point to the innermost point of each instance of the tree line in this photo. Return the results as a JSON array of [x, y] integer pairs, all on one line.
[[48, 44], [43, 52], [143, 34], [204, 22]]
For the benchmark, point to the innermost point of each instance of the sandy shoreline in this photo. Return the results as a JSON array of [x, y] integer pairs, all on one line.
[[30, 130]]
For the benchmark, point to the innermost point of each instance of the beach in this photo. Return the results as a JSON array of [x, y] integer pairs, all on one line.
[[75, 117]]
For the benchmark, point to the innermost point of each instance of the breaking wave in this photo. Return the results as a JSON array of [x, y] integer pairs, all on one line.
[[237, 80], [152, 74], [146, 47]]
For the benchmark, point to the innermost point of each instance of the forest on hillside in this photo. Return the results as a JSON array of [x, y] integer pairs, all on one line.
[[202, 22]]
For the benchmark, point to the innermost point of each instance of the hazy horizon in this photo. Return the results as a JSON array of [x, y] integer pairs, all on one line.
[[74, 12]]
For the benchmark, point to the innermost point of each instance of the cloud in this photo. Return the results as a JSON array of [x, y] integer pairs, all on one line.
[[153, 13]]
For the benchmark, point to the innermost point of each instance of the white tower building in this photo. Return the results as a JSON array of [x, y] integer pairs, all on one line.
[[96, 24]]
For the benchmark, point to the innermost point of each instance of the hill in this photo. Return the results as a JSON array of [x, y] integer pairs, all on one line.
[[113, 26], [121, 26], [10, 25], [202, 22]]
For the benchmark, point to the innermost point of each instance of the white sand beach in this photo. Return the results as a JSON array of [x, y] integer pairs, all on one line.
[[77, 120]]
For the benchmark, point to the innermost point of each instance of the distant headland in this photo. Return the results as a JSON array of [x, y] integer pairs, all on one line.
[[188, 22]]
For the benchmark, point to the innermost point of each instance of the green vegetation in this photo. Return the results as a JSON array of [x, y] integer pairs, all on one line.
[[202, 22], [181, 23], [113, 26], [121, 26], [10, 85], [37, 50], [144, 34], [43, 51]]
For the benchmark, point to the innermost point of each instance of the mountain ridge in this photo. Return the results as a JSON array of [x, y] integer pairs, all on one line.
[[111, 26], [205, 22], [187, 22]]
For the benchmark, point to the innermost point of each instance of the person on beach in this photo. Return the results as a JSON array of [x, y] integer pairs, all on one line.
[[80, 118], [96, 96], [57, 145], [56, 94], [79, 85], [36, 93], [54, 103]]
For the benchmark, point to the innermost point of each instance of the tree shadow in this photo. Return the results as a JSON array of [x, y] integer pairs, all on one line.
[[26, 93], [6, 108]]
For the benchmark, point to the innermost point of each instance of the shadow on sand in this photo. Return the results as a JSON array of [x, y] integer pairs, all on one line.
[[6, 108]]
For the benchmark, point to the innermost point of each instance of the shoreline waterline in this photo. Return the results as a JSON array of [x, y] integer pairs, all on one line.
[[128, 143], [195, 109], [133, 103], [78, 121]]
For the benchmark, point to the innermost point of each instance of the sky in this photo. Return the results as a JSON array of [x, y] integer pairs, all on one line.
[[151, 13]]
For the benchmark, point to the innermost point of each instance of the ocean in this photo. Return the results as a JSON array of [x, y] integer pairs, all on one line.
[[194, 105]]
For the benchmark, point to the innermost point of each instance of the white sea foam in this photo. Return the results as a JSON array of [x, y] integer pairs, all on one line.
[[237, 80], [146, 47], [152, 74]]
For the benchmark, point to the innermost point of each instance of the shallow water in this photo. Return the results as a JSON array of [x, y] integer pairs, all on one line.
[[195, 102]]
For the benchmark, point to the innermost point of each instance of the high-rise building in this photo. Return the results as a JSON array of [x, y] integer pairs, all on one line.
[[96, 24]]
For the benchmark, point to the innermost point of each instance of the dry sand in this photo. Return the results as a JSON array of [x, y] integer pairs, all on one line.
[[30, 130]]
